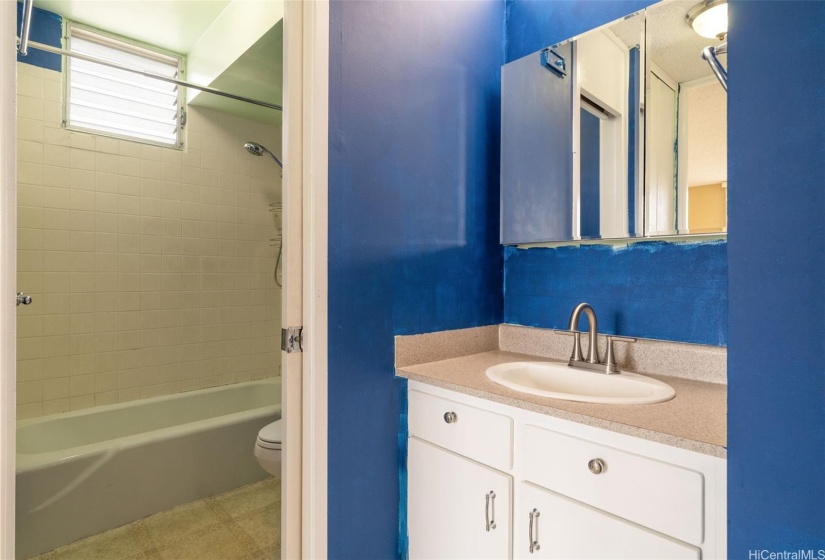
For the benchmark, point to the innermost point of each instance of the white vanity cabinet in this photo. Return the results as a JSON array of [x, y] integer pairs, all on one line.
[[458, 456], [461, 508], [562, 489]]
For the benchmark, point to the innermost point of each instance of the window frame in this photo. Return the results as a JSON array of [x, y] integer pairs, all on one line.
[[68, 27]]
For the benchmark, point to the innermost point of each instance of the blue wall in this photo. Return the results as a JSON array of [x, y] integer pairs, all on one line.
[[413, 227], [776, 260], [46, 28], [650, 289]]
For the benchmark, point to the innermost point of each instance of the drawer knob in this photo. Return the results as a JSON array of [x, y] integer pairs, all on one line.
[[450, 417], [596, 466]]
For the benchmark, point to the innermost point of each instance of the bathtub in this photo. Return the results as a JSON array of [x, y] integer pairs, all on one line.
[[88, 471]]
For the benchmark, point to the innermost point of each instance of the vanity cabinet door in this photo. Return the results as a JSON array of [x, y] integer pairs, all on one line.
[[566, 529], [451, 510]]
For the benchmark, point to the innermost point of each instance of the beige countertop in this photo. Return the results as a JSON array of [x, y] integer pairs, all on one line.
[[695, 419]]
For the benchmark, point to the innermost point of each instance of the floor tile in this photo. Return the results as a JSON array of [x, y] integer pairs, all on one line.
[[239, 525], [250, 498], [263, 526], [180, 523], [218, 544], [117, 544]]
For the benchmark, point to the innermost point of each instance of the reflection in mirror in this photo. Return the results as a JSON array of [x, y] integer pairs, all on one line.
[[629, 140], [606, 139], [686, 120], [574, 174]]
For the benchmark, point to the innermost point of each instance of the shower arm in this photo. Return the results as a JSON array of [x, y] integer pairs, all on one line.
[[709, 54]]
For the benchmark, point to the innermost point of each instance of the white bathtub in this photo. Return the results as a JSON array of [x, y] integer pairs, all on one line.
[[84, 472]]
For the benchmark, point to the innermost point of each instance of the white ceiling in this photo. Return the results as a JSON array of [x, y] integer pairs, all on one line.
[[258, 73], [171, 25], [673, 44]]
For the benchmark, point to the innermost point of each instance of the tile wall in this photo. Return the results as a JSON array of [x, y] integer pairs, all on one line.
[[150, 268]]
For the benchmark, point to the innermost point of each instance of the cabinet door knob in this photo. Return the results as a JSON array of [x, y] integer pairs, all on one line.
[[596, 466], [23, 298], [450, 417]]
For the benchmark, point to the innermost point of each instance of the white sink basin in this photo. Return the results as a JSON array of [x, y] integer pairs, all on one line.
[[559, 381]]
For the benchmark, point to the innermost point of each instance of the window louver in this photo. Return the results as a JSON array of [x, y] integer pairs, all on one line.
[[120, 103]]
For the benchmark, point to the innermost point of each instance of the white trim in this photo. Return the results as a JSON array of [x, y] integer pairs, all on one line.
[[292, 292], [8, 270], [575, 221], [306, 85], [682, 194], [316, 150], [663, 76]]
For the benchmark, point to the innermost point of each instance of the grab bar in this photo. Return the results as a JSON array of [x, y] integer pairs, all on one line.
[[709, 54], [25, 28]]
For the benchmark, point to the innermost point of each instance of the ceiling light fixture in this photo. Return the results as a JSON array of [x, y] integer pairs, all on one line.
[[709, 19]]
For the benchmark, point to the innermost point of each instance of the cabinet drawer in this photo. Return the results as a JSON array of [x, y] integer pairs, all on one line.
[[478, 434], [658, 495]]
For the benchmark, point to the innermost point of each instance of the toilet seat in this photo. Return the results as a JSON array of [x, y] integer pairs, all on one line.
[[270, 436]]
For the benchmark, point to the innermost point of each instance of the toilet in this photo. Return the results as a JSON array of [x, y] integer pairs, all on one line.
[[268, 447]]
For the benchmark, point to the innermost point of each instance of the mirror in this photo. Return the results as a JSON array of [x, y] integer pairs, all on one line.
[[686, 132], [617, 133]]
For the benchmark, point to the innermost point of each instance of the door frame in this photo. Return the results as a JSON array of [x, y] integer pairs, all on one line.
[[306, 86], [306, 102], [8, 270]]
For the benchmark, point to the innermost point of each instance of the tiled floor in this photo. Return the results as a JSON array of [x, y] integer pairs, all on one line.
[[244, 524]]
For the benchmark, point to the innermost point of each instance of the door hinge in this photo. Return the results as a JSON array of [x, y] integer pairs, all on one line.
[[292, 339]]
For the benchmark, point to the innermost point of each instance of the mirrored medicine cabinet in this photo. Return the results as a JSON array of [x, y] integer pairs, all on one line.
[[618, 133]]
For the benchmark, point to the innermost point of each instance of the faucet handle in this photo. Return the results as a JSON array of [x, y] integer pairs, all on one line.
[[610, 358], [577, 346]]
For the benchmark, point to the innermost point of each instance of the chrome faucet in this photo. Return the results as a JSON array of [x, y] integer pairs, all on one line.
[[592, 361], [593, 334]]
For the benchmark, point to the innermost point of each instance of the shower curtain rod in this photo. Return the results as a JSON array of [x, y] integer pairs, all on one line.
[[87, 58]]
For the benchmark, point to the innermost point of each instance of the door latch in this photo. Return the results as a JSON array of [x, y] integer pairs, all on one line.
[[292, 339]]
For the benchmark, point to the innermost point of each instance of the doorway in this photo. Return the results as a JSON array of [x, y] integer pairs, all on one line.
[[293, 310]]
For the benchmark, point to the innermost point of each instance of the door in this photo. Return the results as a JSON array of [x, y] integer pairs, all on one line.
[[536, 150], [457, 508], [559, 527], [661, 139]]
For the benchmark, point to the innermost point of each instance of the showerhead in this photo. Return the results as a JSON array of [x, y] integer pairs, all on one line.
[[257, 150]]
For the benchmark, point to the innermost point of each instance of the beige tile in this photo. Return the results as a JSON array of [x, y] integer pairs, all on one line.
[[180, 523], [264, 526], [116, 544], [218, 544], [85, 219], [251, 498], [272, 553]]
